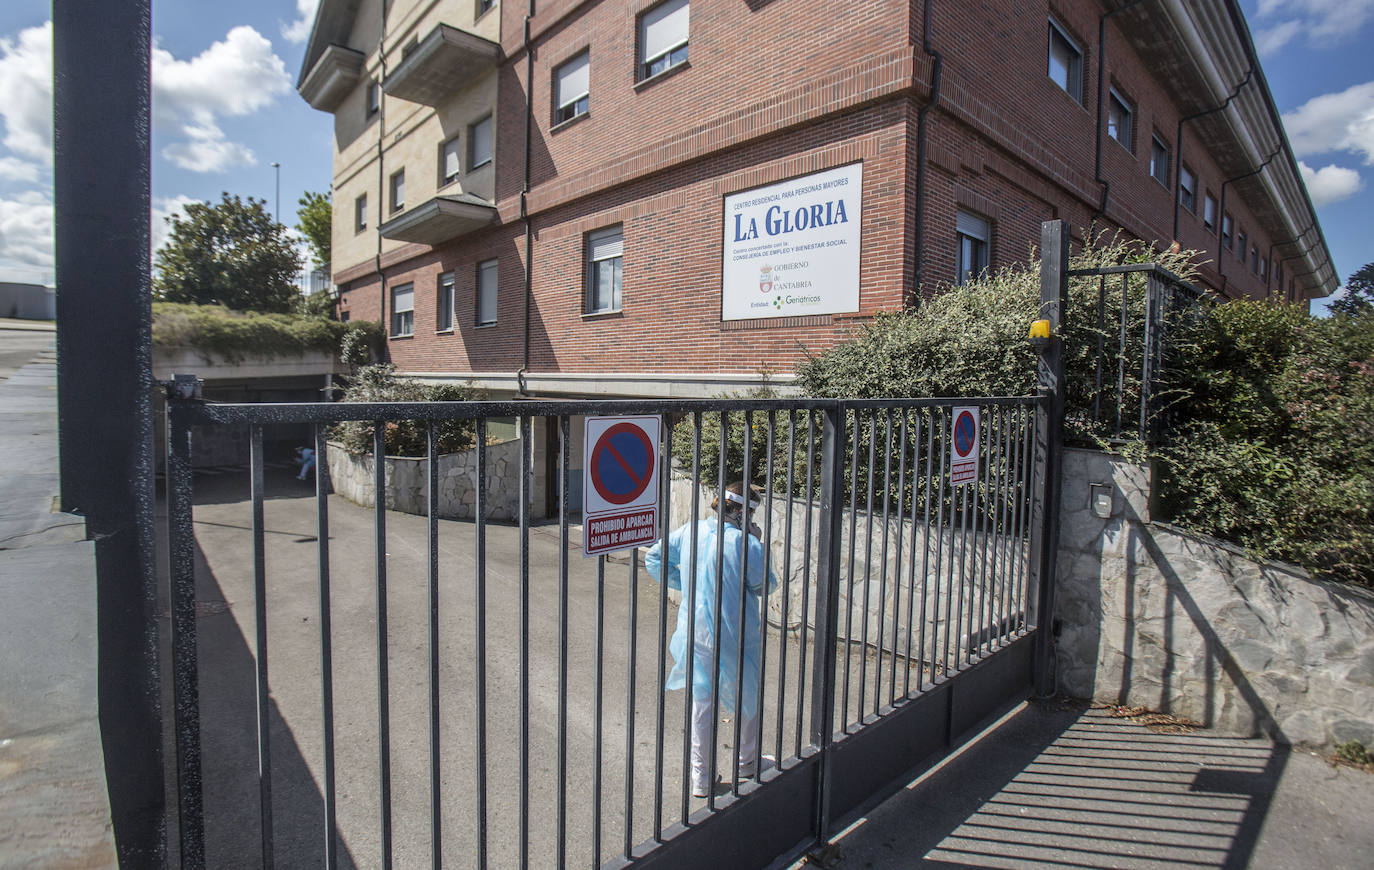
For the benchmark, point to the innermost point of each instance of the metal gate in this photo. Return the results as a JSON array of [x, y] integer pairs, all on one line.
[[517, 715]]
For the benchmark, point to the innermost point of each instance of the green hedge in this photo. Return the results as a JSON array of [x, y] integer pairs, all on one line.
[[378, 383], [236, 335]]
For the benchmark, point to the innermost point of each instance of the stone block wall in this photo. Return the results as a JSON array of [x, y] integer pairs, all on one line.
[[1152, 616], [407, 478]]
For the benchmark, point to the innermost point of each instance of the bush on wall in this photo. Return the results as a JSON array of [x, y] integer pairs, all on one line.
[[236, 335], [378, 383]]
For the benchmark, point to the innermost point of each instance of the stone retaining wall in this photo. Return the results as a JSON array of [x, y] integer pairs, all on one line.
[[1153, 616], [407, 478]]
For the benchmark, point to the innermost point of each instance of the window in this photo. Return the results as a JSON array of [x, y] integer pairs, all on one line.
[[398, 190], [343, 316], [360, 213], [972, 234], [450, 164], [572, 89], [1119, 119], [1187, 188], [403, 309], [1240, 246], [484, 6], [1264, 268], [486, 293], [443, 318], [1227, 225], [1066, 63], [604, 254], [374, 98], [1209, 212], [663, 38], [1254, 259], [1159, 161], [479, 139]]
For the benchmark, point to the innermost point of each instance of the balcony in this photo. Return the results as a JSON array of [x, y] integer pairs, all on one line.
[[440, 219], [444, 62], [331, 78]]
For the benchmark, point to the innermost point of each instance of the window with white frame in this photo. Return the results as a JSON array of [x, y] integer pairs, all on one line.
[[1209, 212], [479, 139], [973, 235], [398, 190], [663, 38], [605, 251], [1187, 188], [1119, 119], [1065, 62], [403, 309], [1159, 161], [360, 213], [443, 317], [572, 88], [487, 282], [450, 161], [1227, 227]]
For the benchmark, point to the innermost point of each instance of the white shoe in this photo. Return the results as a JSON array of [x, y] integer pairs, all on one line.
[[701, 790], [750, 769]]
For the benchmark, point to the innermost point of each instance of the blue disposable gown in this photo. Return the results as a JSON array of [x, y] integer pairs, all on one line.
[[680, 577]]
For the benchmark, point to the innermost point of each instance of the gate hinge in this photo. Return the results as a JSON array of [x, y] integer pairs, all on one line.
[[185, 388]]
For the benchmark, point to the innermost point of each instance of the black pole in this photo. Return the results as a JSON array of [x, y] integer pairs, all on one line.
[[105, 381]]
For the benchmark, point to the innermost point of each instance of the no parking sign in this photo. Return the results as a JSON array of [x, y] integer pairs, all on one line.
[[620, 483], [963, 446]]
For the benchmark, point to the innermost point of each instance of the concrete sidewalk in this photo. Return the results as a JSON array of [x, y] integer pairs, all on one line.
[[1056, 784]]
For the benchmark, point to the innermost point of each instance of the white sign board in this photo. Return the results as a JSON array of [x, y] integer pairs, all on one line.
[[619, 483], [963, 446], [792, 248]]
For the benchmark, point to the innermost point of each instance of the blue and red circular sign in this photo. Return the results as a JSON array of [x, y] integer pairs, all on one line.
[[622, 463], [965, 433]]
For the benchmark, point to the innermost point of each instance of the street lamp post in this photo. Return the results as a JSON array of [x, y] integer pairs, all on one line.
[[276, 214]]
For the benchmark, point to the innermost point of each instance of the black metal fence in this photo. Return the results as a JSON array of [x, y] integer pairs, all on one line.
[[549, 735]]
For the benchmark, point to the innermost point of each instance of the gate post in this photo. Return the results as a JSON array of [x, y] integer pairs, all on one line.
[[827, 606], [1049, 435]]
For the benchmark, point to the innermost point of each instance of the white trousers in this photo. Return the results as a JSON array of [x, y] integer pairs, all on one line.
[[703, 734]]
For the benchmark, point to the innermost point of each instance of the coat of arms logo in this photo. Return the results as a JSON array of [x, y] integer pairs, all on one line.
[[765, 279]]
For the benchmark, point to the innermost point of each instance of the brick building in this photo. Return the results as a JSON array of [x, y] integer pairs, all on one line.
[[621, 197]]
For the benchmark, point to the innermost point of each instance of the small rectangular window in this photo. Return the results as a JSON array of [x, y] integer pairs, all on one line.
[[1264, 267], [360, 213], [1065, 63], [1187, 188], [1209, 212], [487, 282], [443, 318], [398, 190], [403, 309], [1159, 161], [663, 38], [1119, 118], [1227, 227], [479, 137], [605, 251], [1240, 245], [572, 88], [484, 6], [450, 163], [972, 234], [374, 98], [1254, 259]]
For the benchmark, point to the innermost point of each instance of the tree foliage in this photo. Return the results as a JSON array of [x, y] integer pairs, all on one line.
[[378, 383], [232, 254], [1359, 295], [315, 219]]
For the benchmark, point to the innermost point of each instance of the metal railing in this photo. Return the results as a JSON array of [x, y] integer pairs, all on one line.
[[892, 588]]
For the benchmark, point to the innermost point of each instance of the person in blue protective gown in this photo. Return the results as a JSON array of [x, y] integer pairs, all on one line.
[[696, 617]]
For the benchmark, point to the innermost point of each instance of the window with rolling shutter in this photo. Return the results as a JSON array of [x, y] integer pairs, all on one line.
[[572, 88], [663, 38], [605, 251]]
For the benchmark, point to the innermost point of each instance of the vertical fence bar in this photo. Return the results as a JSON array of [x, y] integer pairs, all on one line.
[[633, 653], [982, 633], [525, 450], [255, 462], [741, 629], [331, 834], [436, 838], [561, 813], [849, 572], [383, 683], [1049, 419], [964, 491], [868, 562], [185, 664], [665, 524], [599, 685], [827, 602], [1121, 357], [806, 578], [786, 580], [1023, 506], [1101, 348], [882, 562], [897, 560], [690, 602], [912, 633], [1006, 417], [763, 596], [718, 596], [941, 583], [480, 641], [1147, 352]]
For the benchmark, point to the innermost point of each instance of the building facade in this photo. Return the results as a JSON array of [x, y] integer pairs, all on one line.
[[686, 197]]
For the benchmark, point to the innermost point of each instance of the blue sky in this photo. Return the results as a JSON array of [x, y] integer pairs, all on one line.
[[225, 108]]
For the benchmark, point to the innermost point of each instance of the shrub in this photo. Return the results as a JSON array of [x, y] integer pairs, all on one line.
[[235, 335], [378, 383]]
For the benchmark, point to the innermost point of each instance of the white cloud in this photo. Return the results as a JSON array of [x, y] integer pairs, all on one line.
[[26, 82], [163, 208], [1335, 122], [236, 76], [1321, 21], [1270, 39], [1330, 183], [208, 150], [299, 30], [26, 235], [14, 169]]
